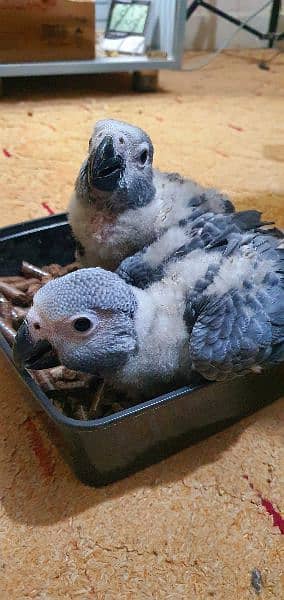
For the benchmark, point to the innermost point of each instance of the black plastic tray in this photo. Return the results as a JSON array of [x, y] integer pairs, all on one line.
[[104, 450]]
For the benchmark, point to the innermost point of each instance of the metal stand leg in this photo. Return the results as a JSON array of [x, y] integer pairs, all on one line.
[[271, 35], [192, 8], [1, 87], [145, 81], [275, 10], [223, 15]]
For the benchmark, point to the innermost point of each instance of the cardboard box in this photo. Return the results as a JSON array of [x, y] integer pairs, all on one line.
[[46, 30]]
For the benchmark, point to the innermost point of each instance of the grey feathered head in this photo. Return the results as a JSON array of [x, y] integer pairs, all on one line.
[[83, 321], [118, 171]]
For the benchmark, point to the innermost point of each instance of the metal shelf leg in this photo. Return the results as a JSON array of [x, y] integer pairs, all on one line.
[[275, 10]]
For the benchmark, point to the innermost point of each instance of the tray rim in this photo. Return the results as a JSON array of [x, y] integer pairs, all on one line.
[[104, 422], [23, 228]]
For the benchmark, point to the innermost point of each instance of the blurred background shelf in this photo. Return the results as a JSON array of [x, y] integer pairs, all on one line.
[[98, 65]]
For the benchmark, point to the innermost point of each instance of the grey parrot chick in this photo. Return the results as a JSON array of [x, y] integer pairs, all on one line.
[[122, 204], [217, 312]]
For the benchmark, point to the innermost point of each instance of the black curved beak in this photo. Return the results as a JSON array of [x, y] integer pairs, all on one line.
[[105, 166], [32, 355]]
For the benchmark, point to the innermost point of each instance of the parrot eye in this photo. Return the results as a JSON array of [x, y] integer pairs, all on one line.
[[82, 324], [143, 157]]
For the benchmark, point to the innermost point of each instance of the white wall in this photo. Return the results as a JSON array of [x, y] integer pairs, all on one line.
[[205, 31]]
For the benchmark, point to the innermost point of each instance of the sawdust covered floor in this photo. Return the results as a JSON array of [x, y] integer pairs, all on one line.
[[193, 526]]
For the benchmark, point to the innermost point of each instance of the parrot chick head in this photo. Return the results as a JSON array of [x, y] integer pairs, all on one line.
[[117, 173], [83, 321]]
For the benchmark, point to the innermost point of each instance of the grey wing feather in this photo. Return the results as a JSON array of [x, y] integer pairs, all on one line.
[[242, 329], [228, 339], [211, 230], [136, 271], [211, 200], [207, 231]]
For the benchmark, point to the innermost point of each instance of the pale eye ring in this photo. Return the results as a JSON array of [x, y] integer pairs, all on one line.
[[82, 324]]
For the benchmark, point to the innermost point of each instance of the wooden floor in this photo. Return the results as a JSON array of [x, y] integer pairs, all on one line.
[[197, 524]]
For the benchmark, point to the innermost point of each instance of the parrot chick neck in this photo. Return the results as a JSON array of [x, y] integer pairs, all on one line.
[[162, 354]]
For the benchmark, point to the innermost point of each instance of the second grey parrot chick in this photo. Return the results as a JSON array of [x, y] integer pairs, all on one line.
[[122, 204], [218, 312]]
